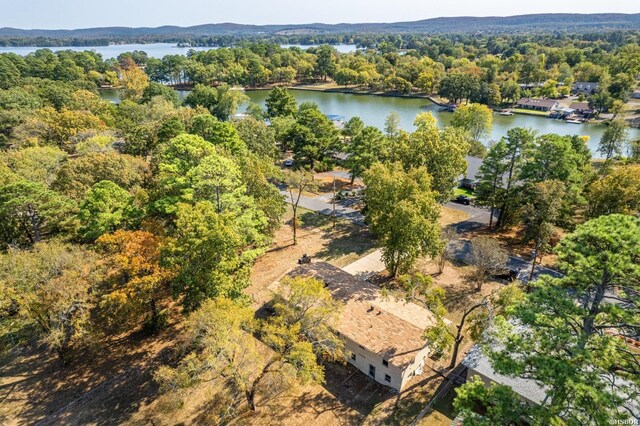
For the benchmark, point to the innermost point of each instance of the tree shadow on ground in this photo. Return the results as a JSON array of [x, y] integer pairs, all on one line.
[[461, 297], [347, 239], [413, 399], [103, 384]]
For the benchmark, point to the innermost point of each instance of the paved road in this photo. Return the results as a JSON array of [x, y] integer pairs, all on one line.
[[324, 206], [479, 217], [461, 251]]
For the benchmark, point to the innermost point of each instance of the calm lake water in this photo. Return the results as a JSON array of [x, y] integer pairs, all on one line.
[[154, 50], [374, 109]]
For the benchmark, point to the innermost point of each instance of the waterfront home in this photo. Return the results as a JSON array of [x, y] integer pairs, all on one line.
[[586, 88], [383, 337], [537, 104], [337, 120], [469, 179], [581, 108]]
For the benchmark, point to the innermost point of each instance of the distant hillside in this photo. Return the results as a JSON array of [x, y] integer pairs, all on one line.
[[510, 24]]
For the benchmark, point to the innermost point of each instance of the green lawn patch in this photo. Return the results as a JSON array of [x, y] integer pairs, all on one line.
[[530, 112], [462, 191]]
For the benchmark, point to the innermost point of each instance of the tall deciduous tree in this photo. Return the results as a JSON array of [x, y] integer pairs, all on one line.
[[219, 333], [617, 192], [442, 152], [365, 148], [221, 101], [206, 255], [258, 137], [77, 175], [613, 139], [307, 302], [403, 213], [51, 285], [134, 279], [217, 132], [476, 119], [134, 82]]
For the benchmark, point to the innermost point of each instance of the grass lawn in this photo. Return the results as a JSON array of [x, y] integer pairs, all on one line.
[[462, 191], [530, 112]]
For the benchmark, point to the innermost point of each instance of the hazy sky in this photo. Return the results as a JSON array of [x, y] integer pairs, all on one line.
[[137, 13]]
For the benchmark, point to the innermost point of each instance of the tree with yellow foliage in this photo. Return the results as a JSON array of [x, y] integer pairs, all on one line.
[[133, 81], [134, 280]]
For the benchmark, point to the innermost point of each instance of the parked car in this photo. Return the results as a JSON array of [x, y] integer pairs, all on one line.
[[288, 162], [463, 199], [507, 275]]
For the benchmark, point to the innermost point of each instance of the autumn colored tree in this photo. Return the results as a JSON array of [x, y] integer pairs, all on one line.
[[476, 119], [617, 192], [135, 280], [51, 288], [134, 81], [77, 175]]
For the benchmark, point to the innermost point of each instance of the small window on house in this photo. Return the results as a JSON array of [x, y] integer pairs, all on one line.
[[353, 356], [385, 362], [387, 378], [372, 371]]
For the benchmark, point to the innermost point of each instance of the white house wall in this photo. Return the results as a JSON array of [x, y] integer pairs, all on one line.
[[364, 358]]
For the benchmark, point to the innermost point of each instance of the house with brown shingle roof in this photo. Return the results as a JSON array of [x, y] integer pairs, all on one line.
[[383, 337], [537, 104]]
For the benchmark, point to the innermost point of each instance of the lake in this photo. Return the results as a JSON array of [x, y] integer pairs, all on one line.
[[374, 109], [153, 50]]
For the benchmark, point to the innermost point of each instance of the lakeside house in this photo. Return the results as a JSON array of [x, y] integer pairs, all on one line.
[[537, 104], [469, 179], [586, 88], [383, 337], [582, 108], [337, 120]]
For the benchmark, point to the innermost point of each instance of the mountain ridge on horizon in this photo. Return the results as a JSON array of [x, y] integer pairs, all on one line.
[[466, 24]]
